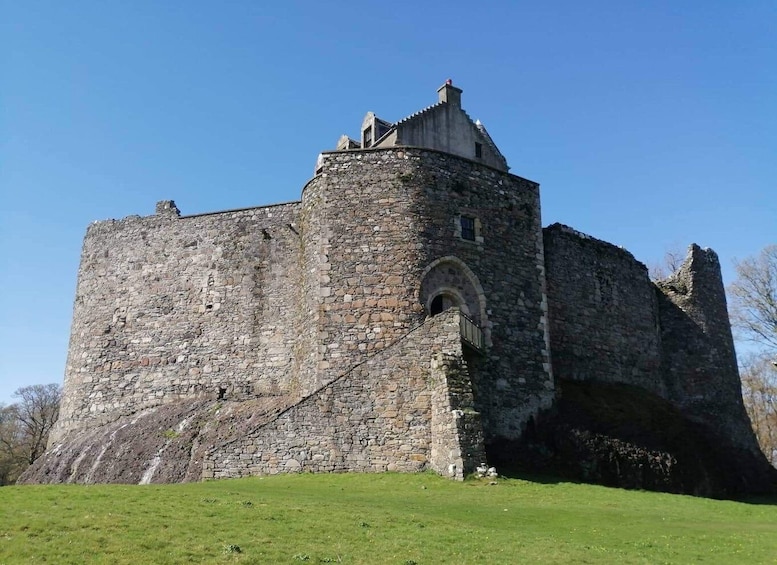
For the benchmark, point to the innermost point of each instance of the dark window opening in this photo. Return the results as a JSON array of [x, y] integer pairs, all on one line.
[[367, 138], [436, 306], [468, 228], [222, 393], [382, 128], [478, 150]]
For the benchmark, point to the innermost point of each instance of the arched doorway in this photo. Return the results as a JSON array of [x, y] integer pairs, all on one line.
[[448, 282], [446, 298]]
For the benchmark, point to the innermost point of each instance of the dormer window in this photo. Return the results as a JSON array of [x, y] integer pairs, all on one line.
[[367, 138], [478, 150]]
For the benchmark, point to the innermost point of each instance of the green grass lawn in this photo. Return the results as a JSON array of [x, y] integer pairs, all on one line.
[[385, 518]]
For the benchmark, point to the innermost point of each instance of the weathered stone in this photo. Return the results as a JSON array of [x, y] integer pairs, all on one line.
[[408, 310]]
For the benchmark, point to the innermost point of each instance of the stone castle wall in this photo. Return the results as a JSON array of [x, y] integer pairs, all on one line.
[[407, 407], [698, 356], [171, 307], [610, 323], [328, 300], [284, 299], [408, 313], [603, 312]]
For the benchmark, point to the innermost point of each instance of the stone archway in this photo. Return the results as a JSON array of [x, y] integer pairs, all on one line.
[[448, 282], [443, 298]]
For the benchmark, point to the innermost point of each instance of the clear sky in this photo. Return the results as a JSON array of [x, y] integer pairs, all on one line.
[[648, 124]]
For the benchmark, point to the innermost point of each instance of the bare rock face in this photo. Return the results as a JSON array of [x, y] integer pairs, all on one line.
[[165, 444]]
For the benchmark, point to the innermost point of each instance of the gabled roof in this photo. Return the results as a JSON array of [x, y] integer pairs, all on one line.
[[411, 129]]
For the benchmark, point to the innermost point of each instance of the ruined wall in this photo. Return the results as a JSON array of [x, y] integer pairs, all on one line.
[[170, 307], [385, 216], [609, 323], [698, 356], [603, 312], [394, 412]]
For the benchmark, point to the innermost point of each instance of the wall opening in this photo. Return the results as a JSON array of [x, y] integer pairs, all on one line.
[[436, 306], [448, 282], [468, 228], [446, 300]]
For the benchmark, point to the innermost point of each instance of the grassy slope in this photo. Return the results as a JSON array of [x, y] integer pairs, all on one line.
[[382, 518]]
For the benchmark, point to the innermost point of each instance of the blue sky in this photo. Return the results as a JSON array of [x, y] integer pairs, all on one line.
[[648, 124]]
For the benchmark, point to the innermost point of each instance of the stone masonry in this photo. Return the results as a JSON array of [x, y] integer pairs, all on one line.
[[169, 307], [406, 314], [610, 323], [408, 407]]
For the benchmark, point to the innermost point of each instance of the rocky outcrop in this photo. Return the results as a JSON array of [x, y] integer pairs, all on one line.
[[164, 444], [622, 436], [408, 407]]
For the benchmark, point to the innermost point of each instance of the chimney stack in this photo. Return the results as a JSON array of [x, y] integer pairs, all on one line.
[[449, 94]]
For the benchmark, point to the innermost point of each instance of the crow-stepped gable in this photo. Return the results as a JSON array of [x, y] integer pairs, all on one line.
[[408, 313]]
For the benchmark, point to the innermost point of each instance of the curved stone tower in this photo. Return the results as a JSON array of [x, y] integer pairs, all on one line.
[[400, 231]]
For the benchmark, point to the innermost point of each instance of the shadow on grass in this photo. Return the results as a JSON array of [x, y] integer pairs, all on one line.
[[523, 475], [544, 479]]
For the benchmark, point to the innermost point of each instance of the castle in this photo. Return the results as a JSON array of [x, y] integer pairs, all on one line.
[[408, 313]]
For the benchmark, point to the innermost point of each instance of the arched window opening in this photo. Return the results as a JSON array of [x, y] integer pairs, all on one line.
[[445, 301], [448, 283]]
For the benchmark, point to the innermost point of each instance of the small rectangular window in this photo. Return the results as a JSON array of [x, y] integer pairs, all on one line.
[[468, 228], [478, 150], [367, 138]]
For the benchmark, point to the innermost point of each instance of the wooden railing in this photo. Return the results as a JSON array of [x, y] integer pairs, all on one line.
[[471, 334]]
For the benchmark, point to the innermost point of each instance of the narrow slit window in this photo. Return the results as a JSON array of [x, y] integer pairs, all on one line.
[[478, 150]]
